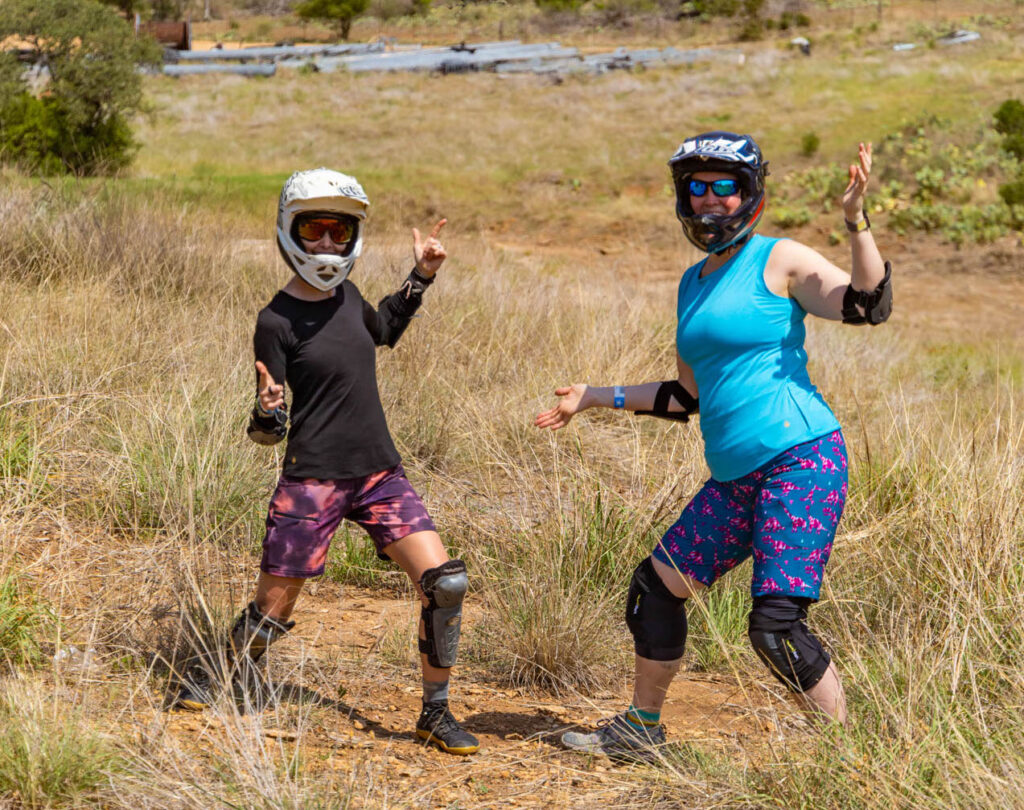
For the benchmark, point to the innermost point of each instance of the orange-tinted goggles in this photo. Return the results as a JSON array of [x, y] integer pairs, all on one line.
[[312, 227]]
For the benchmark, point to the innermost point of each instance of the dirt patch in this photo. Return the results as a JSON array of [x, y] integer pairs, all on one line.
[[365, 710]]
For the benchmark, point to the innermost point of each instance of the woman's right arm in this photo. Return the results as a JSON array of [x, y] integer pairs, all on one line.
[[268, 421], [640, 398]]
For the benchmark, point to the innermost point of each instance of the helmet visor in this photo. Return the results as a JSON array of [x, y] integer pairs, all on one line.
[[312, 227]]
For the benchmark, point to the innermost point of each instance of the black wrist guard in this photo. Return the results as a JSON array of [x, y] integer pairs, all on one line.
[[667, 390], [267, 429], [877, 304]]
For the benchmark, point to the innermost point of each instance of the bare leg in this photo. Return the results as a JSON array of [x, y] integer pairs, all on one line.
[[827, 697], [415, 553], [275, 596], [652, 678]]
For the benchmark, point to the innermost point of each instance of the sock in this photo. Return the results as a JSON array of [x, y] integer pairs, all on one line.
[[434, 690], [641, 720]]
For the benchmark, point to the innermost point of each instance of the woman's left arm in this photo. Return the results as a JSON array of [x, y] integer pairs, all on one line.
[[391, 317], [818, 285]]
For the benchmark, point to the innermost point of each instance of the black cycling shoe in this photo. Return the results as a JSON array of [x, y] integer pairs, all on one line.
[[437, 726], [195, 691]]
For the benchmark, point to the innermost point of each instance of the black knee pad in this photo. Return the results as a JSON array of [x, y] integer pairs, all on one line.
[[784, 643], [655, 616], [445, 587]]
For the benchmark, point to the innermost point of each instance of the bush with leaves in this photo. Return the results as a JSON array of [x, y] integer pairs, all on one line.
[[77, 119], [336, 13]]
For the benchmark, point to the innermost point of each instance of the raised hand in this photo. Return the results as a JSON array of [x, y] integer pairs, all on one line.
[[429, 254], [567, 407], [853, 196], [270, 393]]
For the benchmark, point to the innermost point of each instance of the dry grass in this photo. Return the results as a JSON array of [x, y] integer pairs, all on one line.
[[132, 500]]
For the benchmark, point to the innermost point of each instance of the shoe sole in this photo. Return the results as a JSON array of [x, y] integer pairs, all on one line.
[[448, 749], [190, 705]]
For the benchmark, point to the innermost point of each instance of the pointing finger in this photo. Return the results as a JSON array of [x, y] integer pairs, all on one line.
[[265, 378], [417, 240], [437, 228]]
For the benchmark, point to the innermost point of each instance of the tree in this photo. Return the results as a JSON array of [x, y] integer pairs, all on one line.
[[78, 119], [337, 13]]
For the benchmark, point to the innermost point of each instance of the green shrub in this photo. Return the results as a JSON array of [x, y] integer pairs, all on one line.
[[1009, 118], [809, 144], [751, 30], [786, 217], [79, 124], [41, 135], [336, 13], [1014, 144], [716, 8], [1012, 193]]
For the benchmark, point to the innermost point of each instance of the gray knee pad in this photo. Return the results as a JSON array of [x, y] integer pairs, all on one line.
[[253, 632], [445, 587], [655, 616], [783, 642]]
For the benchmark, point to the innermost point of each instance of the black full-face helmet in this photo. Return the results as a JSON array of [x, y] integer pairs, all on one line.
[[719, 151]]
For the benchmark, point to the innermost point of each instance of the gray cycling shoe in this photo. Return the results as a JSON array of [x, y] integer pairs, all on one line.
[[617, 739]]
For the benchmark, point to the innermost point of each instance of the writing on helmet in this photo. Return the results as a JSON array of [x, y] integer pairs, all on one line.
[[724, 148]]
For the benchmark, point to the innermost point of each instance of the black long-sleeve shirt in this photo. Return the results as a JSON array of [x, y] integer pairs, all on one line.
[[326, 353]]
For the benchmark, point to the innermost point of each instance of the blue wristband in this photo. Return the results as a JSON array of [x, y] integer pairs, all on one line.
[[619, 400]]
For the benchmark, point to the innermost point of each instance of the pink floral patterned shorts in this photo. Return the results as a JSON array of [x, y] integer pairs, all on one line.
[[305, 513], [784, 514]]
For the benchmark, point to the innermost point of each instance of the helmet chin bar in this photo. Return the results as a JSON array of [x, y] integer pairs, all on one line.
[[321, 271]]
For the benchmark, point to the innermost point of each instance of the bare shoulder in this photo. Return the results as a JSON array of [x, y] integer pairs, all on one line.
[[791, 254], [794, 260], [780, 268]]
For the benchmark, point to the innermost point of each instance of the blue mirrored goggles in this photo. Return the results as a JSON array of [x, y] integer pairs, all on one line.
[[720, 188]]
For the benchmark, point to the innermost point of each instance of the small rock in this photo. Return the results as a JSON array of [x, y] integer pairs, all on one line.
[[359, 724]]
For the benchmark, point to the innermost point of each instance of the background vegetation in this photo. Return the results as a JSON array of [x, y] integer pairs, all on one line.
[[132, 503], [71, 111]]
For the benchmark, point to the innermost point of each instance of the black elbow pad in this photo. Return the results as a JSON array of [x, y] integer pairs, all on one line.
[[267, 429], [667, 390], [877, 304]]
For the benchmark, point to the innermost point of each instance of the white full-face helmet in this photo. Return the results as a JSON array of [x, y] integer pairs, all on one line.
[[320, 191]]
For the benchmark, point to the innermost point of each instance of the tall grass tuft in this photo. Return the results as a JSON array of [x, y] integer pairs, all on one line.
[[24, 623], [49, 755]]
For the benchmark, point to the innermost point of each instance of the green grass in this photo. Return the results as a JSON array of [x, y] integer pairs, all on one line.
[[25, 623], [49, 756]]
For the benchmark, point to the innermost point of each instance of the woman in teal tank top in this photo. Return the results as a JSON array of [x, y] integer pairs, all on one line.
[[774, 448]]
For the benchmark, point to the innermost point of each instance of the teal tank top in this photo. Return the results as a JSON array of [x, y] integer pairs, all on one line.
[[746, 348]]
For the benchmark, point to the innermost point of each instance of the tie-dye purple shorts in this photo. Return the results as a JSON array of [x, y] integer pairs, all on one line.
[[305, 512], [785, 514]]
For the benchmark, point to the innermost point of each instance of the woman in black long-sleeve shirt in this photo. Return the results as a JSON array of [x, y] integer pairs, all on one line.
[[319, 336]]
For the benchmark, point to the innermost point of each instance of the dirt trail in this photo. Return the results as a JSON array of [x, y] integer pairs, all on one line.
[[367, 724]]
